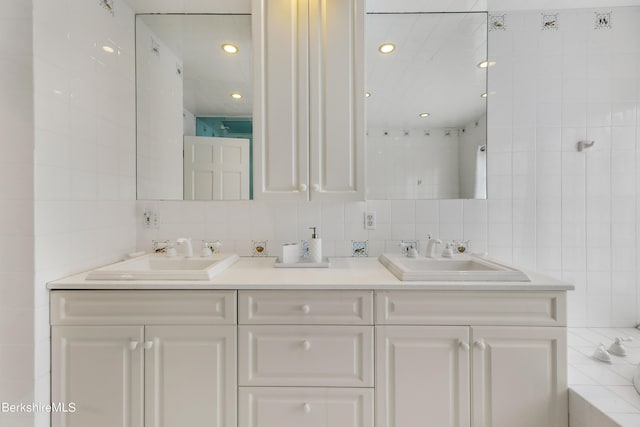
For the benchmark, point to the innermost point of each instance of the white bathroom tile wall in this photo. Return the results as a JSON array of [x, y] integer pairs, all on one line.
[[16, 198], [83, 185], [570, 214]]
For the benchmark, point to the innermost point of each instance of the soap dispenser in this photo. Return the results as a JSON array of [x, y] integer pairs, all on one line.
[[315, 247]]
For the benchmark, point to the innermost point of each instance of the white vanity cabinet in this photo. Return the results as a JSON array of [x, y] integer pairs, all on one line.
[[479, 371], [309, 109], [144, 358], [305, 358]]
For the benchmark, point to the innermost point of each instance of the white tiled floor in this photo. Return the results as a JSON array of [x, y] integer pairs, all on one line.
[[607, 387]]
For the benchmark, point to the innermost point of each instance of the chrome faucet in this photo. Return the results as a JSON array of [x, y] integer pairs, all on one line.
[[431, 247], [188, 248]]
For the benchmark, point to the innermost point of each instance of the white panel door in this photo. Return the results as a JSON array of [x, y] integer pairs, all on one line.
[[336, 58], [100, 369], [422, 376], [519, 377], [216, 168], [281, 111], [190, 376], [305, 407]]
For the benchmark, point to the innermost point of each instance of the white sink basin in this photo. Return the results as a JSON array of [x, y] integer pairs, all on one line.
[[161, 267], [460, 268]]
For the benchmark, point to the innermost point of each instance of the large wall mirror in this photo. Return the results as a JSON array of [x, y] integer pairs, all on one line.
[[426, 105], [194, 107]]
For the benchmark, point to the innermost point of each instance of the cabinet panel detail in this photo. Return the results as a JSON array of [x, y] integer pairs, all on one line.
[[422, 373], [305, 307], [471, 308], [306, 356], [142, 307], [519, 377], [336, 58], [100, 369], [298, 407], [200, 358], [281, 129]]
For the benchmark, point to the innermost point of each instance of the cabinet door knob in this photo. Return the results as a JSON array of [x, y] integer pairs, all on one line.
[[307, 408], [480, 344], [133, 345], [315, 187], [306, 309], [303, 187], [463, 345], [148, 345], [306, 344]]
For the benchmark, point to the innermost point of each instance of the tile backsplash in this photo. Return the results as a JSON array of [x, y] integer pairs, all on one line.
[[551, 208]]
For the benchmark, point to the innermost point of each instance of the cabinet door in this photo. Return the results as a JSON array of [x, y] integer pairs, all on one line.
[[519, 377], [100, 369], [309, 110], [336, 68], [422, 376], [281, 109], [190, 377], [305, 407]]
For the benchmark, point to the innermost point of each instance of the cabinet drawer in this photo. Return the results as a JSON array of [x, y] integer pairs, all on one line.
[[306, 356], [142, 307], [305, 307], [296, 407], [471, 308]]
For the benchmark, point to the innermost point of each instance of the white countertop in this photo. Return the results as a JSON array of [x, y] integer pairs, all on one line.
[[344, 273]]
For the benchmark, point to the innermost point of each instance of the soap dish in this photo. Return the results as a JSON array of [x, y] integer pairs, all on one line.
[[303, 264]]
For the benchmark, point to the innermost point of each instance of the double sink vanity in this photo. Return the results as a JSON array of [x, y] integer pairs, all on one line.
[[465, 341]]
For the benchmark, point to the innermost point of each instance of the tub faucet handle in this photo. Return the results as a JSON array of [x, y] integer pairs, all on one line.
[[618, 348]]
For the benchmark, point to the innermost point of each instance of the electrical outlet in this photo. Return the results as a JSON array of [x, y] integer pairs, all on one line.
[[370, 220]]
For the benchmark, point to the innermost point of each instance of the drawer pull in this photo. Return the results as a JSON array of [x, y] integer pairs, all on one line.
[[480, 344], [463, 345], [306, 309], [148, 345], [133, 345], [306, 344], [307, 408]]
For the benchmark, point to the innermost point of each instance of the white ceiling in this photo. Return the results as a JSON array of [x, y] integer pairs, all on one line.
[[433, 69], [209, 74]]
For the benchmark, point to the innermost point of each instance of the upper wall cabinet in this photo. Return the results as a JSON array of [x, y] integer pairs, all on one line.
[[309, 109]]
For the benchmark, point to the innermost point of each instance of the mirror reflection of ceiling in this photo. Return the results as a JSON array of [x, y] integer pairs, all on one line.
[[209, 74], [434, 69]]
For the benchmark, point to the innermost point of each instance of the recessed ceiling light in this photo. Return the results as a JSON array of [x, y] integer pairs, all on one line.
[[387, 48], [230, 48], [486, 64], [108, 49], [236, 95], [424, 115], [367, 95]]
